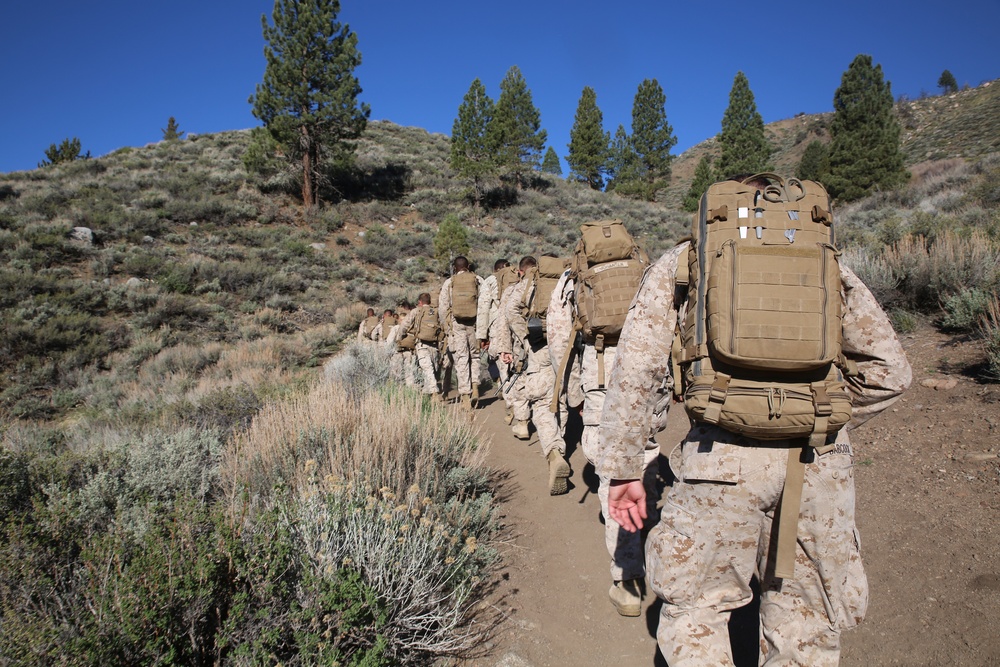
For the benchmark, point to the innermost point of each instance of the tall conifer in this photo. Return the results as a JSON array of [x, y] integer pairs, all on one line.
[[472, 156], [815, 162], [588, 142], [865, 150], [515, 130], [623, 164], [702, 179], [745, 148], [652, 135], [172, 131], [308, 99], [947, 83], [550, 163]]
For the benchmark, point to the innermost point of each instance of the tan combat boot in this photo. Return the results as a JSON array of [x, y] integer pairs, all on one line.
[[475, 395], [520, 429], [508, 415], [626, 598], [467, 402], [558, 472]]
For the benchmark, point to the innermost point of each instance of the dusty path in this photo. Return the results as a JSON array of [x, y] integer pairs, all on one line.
[[555, 583], [928, 511]]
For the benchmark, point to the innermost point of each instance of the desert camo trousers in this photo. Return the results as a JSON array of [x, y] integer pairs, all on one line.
[[714, 535], [625, 548], [427, 360], [533, 395], [464, 348], [401, 365]]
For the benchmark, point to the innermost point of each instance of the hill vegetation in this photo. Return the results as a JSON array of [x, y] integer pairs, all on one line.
[[164, 318]]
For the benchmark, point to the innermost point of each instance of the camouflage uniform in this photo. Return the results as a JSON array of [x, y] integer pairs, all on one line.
[[486, 316], [426, 353], [583, 383], [461, 340], [715, 526], [534, 388], [366, 327], [501, 339], [381, 332], [402, 361]]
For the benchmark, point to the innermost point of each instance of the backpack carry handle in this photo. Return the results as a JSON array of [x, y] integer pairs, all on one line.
[[778, 191]]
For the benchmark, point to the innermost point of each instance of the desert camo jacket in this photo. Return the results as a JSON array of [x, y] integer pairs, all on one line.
[[643, 362]]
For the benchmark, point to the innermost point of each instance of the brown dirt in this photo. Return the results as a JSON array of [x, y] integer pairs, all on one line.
[[928, 497]]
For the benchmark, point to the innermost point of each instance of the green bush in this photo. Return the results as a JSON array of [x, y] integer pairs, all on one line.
[[903, 321], [963, 311]]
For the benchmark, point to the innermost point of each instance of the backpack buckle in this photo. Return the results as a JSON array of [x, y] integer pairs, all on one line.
[[717, 397]]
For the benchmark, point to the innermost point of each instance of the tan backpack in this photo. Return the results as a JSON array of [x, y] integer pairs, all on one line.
[[426, 326], [541, 281], [370, 323], [464, 295], [762, 333], [387, 324], [760, 345], [607, 268], [506, 277]]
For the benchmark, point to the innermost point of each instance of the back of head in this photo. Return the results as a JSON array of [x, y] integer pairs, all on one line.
[[500, 264], [461, 263], [760, 182], [527, 262], [424, 299]]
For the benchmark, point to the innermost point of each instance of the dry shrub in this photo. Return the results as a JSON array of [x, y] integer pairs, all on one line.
[[874, 271], [989, 329], [422, 564], [349, 317], [932, 175], [390, 438], [928, 272]]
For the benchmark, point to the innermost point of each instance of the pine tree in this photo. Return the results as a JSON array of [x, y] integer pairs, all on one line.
[[947, 83], [623, 163], [815, 162], [702, 179], [172, 132], [451, 240], [865, 150], [551, 164], [308, 99], [652, 135], [471, 154], [588, 142], [515, 130], [67, 151], [745, 148]]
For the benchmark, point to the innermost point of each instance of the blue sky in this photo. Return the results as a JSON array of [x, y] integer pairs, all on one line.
[[111, 72]]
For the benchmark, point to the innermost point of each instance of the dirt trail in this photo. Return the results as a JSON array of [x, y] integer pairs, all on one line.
[[554, 586], [928, 501]]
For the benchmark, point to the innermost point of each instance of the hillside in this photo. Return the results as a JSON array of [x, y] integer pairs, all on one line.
[[184, 246]]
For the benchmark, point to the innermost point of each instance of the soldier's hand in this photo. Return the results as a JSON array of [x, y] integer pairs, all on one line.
[[627, 503], [484, 344], [507, 358]]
